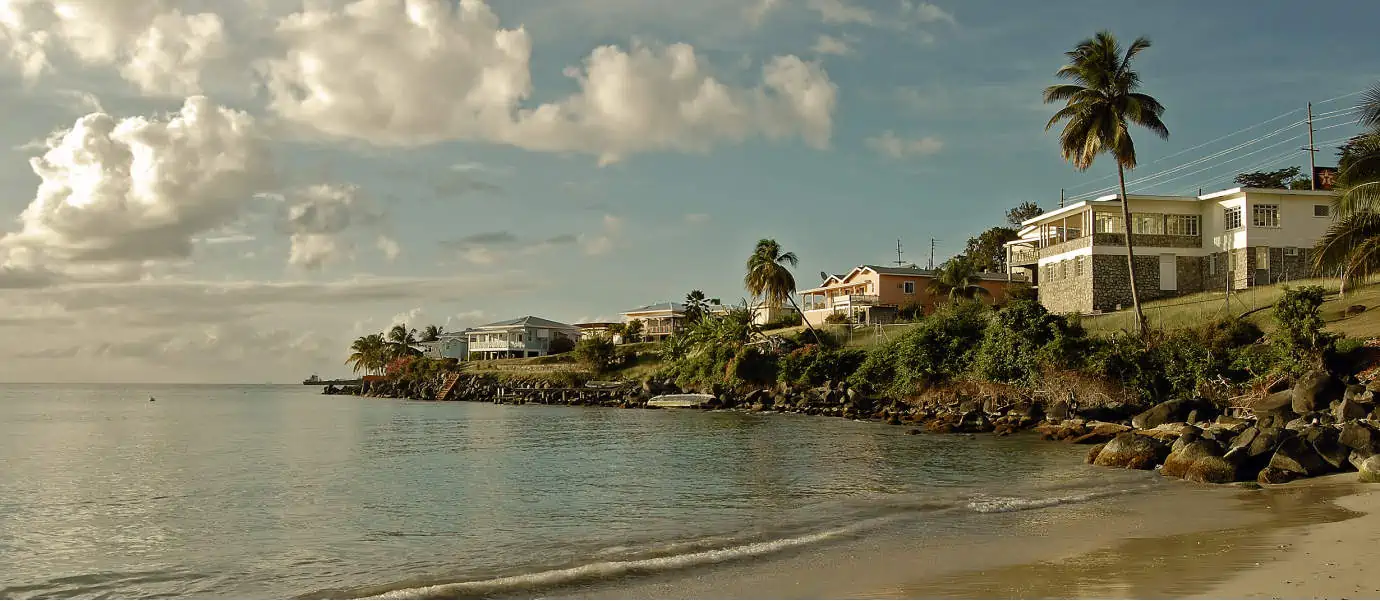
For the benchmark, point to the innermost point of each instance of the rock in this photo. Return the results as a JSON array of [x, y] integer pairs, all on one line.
[[1100, 432], [913, 431], [1348, 410], [1370, 469], [1299, 423], [1358, 436], [1312, 391], [1185, 439], [975, 421], [1163, 413], [1296, 456], [1200, 461], [1274, 403], [1058, 411], [1233, 422], [1325, 443], [1373, 386], [1360, 394], [1271, 475], [1132, 451], [1005, 429], [1094, 451]]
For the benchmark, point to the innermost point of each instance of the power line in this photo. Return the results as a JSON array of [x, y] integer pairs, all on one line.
[[1270, 161]]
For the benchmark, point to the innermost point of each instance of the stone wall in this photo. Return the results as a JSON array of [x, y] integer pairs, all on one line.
[[1111, 284], [1063, 247], [1284, 268], [1072, 294], [1190, 274], [1149, 240]]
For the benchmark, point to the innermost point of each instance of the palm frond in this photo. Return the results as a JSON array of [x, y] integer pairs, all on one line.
[[1368, 112]]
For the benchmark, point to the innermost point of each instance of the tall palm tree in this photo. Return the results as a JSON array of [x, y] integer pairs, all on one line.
[[1351, 246], [431, 333], [957, 278], [402, 341], [1100, 105], [696, 306], [367, 354], [769, 279]]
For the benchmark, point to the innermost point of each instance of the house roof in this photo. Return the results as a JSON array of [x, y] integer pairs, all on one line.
[[900, 270], [528, 321], [668, 306], [596, 324]]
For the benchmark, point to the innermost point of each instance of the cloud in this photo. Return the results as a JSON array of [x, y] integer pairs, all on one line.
[[826, 44], [482, 239], [139, 189], [696, 218], [389, 247], [910, 14], [152, 43], [842, 12], [896, 147], [318, 219], [483, 248], [603, 242], [430, 74], [757, 12]]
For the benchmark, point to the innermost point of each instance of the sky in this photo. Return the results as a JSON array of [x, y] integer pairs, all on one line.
[[233, 190]]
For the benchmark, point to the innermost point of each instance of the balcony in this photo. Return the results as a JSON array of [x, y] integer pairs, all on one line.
[[855, 300], [1024, 257], [498, 345]]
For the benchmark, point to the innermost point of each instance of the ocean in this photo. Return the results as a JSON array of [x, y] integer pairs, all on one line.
[[278, 491]]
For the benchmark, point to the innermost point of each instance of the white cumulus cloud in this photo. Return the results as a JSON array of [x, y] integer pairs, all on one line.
[[897, 147], [827, 44], [320, 217]]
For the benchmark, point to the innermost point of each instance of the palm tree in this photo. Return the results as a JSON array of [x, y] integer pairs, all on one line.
[[696, 306], [957, 278], [431, 333], [1100, 106], [769, 279], [1351, 246], [401, 342], [368, 354]]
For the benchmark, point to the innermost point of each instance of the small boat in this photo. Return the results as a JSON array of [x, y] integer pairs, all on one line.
[[680, 401]]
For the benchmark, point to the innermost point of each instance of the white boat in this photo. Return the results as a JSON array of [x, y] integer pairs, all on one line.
[[680, 401]]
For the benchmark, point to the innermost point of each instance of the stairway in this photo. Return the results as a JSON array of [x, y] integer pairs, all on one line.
[[447, 384]]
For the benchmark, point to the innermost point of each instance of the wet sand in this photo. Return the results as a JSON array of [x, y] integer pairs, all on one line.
[[1181, 541]]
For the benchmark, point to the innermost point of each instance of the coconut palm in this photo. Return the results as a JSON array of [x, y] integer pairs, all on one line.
[[769, 279], [1100, 105], [431, 333], [1351, 246], [401, 342], [368, 354], [957, 278], [696, 306]]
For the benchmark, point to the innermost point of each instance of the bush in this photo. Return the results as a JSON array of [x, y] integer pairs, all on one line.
[[911, 311], [787, 320], [561, 344], [1300, 322], [596, 353], [837, 318], [1023, 339], [813, 365], [751, 365], [939, 348]]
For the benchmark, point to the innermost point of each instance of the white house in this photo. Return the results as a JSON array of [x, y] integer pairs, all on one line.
[[522, 337], [1241, 237], [449, 345]]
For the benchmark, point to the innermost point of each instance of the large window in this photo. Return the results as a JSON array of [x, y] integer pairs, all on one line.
[[1181, 225], [1265, 216], [1231, 218], [1109, 223], [1147, 223]]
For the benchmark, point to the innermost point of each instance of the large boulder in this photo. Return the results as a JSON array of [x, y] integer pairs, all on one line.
[[1360, 394], [1369, 468], [1314, 391], [1200, 461], [1359, 437], [1057, 411], [1347, 410], [1274, 403], [1295, 456], [1132, 451], [1100, 432], [975, 421], [1094, 452], [1176, 410], [1325, 442]]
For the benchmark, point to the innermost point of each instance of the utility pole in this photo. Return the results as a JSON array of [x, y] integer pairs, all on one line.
[[899, 262], [932, 241], [1312, 153], [1061, 198]]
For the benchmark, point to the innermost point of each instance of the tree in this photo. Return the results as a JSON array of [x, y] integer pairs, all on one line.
[[431, 333], [1351, 246], [1287, 178], [1025, 210], [957, 278], [768, 277], [402, 341], [987, 251], [560, 343], [368, 354], [632, 331], [1099, 107], [596, 353], [696, 306]]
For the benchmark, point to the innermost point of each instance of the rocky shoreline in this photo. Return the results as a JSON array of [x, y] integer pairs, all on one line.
[[1319, 424]]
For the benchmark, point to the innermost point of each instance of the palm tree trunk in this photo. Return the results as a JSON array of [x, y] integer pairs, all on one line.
[[804, 320], [1130, 253]]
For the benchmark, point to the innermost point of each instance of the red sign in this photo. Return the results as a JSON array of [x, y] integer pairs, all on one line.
[[1324, 178]]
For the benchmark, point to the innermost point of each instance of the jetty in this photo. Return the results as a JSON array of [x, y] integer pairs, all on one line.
[[680, 401]]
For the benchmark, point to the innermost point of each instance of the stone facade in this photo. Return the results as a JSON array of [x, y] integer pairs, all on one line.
[[1111, 284], [1149, 241], [1286, 264], [1070, 294]]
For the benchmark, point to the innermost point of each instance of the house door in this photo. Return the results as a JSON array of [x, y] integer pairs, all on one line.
[[1169, 272]]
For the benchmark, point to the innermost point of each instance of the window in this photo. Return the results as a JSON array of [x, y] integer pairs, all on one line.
[[1265, 216], [1109, 223], [1212, 264], [1147, 223], [1078, 269], [1231, 218], [1322, 211], [1063, 270], [1262, 257], [908, 287], [1181, 225]]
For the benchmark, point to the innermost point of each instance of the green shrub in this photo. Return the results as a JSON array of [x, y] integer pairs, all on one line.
[[752, 366], [1300, 322], [1022, 339], [837, 318], [786, 320], [812, 365], [561, 344], [939, 348], [596, 353], [911, 311]]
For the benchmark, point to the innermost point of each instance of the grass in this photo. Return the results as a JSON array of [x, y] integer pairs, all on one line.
[[1255, 303]]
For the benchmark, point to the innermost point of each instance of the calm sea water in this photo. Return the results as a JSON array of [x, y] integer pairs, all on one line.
[[272, 491]]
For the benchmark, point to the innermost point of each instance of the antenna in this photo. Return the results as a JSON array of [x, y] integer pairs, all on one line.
[[823, 275], [899, 262]]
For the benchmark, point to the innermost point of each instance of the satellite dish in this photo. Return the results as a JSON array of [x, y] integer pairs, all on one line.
[[823, 275]]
